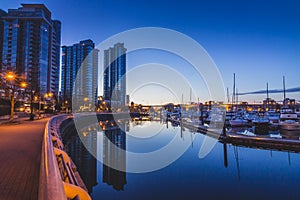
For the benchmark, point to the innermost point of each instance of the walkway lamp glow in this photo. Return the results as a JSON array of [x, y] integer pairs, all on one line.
[[10, 76], [23, 85]]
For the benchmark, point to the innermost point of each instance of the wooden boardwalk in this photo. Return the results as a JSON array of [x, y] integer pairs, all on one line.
[[20, 153]]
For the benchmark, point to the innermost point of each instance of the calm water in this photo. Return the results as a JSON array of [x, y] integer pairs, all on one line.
[[246, 174]]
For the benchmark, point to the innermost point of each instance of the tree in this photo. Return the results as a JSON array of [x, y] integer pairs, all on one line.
[[12, 84]]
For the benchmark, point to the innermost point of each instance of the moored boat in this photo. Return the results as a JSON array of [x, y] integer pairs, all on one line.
[[229, 116], [250, 116], [261, 124], [238, 121], [274, 118], [288, 116], [288, 120]]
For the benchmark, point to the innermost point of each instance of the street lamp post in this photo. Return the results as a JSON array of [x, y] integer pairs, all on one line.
[[39, 111], [31, 105], [10, 76], [67, 106], [12, 79], [12, 105], [49, 98], [52, 104]]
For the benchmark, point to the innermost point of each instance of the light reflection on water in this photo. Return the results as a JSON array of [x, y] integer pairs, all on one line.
[[245, 174]]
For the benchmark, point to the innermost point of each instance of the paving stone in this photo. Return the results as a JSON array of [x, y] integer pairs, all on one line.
[[20, 147]]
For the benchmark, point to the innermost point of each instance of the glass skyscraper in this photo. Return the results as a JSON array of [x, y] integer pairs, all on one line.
[[2, 14], [31, 46], [80, 86], [114, 80]]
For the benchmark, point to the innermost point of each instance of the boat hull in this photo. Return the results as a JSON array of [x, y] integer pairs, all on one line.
[[234, 123], [290, 134], [290, 127], [261, 128]]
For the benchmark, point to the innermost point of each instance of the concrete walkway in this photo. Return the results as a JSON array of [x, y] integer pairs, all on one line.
[[20, 154]]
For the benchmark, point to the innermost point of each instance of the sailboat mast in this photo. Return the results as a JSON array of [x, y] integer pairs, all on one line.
[[267, 96], [267, 90], [236, 155], [190, 95], [228, 98], [237, 96], [233, 95], [284, 90]]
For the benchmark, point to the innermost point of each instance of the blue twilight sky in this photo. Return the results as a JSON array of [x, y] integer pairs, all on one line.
[[257, 40]]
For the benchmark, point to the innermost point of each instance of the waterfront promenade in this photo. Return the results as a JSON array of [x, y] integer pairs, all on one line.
[[20, 154]]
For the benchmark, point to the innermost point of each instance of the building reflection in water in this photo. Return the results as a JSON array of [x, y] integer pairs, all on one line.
[[113, 149], [85, 162], [114, 153]]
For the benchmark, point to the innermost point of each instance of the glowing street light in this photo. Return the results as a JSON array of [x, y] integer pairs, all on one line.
[[66, 106], [49, 97], [85, 99], [10, 76], [23, 85]]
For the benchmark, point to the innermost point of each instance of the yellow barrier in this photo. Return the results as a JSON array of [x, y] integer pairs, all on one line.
[[59, 142], [52, 185], [64, 154], [72, 191]]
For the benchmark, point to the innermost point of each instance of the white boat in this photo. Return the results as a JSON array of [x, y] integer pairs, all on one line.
[[248, 133], [216, 117], [238, 121], [276, 136], [290, 125], [288, 120], [273, 117], [260, 120], [229, 115], [250, 116]]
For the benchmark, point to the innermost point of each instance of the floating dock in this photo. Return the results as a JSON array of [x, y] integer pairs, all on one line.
[[260, 142]]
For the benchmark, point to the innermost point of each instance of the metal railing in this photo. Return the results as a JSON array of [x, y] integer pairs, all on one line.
[[59, 178]]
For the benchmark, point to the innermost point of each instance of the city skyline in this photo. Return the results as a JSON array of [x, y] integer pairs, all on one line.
[[152, 99], [257, 41]]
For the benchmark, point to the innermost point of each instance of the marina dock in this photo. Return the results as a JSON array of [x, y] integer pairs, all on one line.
[[261, 142], [258, 141]]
